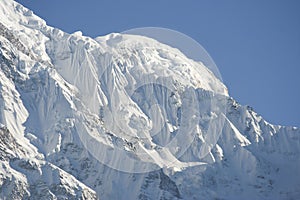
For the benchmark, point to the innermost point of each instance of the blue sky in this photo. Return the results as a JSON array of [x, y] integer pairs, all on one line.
[[255, 44]]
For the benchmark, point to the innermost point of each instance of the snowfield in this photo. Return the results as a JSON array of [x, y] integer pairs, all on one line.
[[126, 117]]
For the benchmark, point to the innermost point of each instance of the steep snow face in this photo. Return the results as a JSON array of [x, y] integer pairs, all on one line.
[[142, 91], [126, 117]]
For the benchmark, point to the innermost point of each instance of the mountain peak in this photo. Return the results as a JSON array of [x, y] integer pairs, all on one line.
[[126, 117]]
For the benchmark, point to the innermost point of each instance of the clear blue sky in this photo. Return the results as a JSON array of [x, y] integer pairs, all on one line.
[[255, 43]]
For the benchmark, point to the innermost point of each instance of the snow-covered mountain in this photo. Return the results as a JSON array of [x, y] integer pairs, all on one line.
[[126, 117]]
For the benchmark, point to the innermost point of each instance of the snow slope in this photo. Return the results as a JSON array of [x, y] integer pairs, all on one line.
[[126, 117]]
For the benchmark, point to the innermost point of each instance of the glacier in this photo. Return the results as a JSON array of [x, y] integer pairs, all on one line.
[[126, 117]]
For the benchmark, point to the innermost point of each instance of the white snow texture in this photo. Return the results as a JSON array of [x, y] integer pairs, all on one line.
[[127, 117]]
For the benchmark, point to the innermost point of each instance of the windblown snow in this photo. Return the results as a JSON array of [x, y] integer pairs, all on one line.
[[126, 117]]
